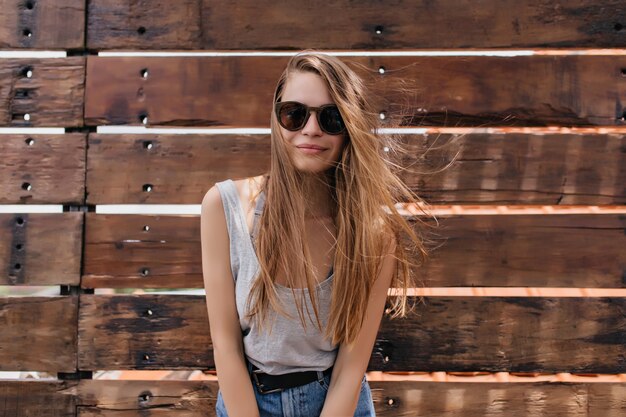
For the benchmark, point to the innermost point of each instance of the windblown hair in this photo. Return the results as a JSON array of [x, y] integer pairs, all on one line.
[[365, 188]]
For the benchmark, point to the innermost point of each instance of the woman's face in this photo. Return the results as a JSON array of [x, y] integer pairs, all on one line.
[[309, 88]]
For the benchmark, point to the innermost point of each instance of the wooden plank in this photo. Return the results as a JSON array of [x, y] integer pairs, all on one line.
[[136, 398], [42, 24], [515, 334], [475, 168], [43, 169], [135, 251], [236, 91], [120, 167], [561, 250], [517, 168], [38, 333], [496, 334], [607, 400], [38, 398], [49, 90], [401, 24], [391, 398], [131, 332], [40, 248]]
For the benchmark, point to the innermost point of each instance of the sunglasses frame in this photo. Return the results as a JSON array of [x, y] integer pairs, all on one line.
[[318, 110]]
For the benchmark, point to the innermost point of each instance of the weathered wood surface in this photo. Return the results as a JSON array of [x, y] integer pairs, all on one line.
[[344, 24], [43, 169], [143, 332], [33, 24], [38, 333], [510, 168], [495, 334], [38, 398], [562, 250], [236, 91], [179, 168], [391, 398], [41, 248], [49, 90]]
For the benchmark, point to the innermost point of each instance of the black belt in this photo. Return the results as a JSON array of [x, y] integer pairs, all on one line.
[[267, 383]]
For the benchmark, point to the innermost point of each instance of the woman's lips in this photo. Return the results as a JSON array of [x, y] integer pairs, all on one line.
[[311, 150]]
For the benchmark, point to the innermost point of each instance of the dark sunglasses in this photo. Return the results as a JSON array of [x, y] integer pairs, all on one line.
[[293, 116]]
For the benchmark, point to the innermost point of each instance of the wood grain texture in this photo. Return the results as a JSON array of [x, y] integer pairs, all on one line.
[[495, 334], [474, 168], [52, 96], [391, 399], [179, 168], [41, 248], [130, 332], [345, 24], [38, 398], [38, 333], [139, 251], [563, 250], [236, 91], [89, 398], [33, 24], [43, 169]]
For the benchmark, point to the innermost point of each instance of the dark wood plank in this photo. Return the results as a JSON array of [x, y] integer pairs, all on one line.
[[52, 95], [369, 24], [235, 91], [35, 24], [38, 333], [561, 250], [120, 167], [40, 248], [43, 169], [493, 168], [135, 251], [518, 334], [392, 399], [38, 398], [143, 332]]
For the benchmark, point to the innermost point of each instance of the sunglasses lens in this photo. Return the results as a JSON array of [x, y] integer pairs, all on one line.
[[331, 121], [291, 116]]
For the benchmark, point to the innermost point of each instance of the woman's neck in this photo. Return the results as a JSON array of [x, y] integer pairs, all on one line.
[[318, 196]]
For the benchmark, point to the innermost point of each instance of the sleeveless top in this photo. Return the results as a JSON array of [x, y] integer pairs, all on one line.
[[289, 348]]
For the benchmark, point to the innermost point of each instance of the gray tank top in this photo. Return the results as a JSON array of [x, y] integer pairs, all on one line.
[[289, 348]]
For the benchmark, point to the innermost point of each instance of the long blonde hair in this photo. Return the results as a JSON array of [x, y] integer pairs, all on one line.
[[365, 187]]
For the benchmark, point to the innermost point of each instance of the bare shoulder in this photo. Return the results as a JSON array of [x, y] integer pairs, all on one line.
[[211, 201]]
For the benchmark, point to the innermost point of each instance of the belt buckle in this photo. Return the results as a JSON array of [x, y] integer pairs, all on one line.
[[260, 385]]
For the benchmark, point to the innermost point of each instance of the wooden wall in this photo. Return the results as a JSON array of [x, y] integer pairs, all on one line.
[[542, 129]]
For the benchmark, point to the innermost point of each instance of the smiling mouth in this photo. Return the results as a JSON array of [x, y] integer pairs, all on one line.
[[317, 148], [311, 151]]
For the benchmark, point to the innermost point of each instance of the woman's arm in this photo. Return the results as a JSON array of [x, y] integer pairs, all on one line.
[[228, 353], [350, 365]]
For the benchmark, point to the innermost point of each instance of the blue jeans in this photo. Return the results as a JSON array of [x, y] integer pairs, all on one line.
[[303, 401]]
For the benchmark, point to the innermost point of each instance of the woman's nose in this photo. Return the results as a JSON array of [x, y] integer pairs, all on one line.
[[312, 127]]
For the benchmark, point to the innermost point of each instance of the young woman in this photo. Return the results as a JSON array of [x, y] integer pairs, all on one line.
[[298, 262]]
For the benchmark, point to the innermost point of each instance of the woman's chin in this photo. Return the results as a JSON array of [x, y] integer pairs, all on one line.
[[312, 166]]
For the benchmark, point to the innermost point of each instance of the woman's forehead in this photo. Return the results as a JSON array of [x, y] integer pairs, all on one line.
[[306, 87]]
